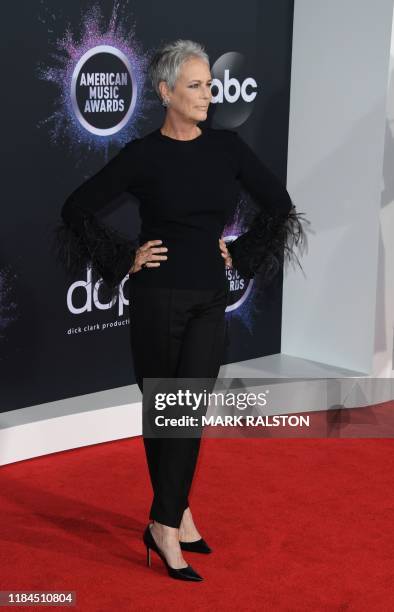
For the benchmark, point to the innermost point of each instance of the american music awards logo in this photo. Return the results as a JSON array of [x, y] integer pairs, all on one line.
[[103, 90], [240, 287], [100, 75]]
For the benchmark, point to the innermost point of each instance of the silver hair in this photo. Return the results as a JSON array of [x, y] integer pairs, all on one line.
[[168, 59]]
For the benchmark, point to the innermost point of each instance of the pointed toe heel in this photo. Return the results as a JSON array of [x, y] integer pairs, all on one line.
[[198, 546], [183, 573]]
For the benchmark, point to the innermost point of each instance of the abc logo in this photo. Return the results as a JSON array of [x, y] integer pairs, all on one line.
[[239, 89], [233, 90]]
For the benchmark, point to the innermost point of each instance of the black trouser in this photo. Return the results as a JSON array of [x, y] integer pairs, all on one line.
[[175, 333]]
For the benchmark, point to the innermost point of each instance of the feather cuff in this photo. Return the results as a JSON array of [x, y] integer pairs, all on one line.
[[107, 251], [271, 238]]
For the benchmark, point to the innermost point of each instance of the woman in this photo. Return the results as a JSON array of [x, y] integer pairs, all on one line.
[[187, 179]]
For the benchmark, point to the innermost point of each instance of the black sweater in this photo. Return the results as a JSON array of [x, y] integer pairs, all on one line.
[[188, 190]]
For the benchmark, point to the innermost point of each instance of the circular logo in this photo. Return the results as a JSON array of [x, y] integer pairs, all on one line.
[[103, 90], [231, 84], [239, 286]]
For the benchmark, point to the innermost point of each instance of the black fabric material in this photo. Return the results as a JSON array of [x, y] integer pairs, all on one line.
[[175, 333], [188, 190]]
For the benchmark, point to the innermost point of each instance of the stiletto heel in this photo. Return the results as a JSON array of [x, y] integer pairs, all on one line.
[[198, 546], [183, 573]]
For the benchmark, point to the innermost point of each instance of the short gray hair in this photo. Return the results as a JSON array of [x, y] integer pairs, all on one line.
[[168, 59]]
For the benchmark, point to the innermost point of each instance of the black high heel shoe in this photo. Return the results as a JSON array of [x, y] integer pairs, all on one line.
[[183, 573], [198, 546]]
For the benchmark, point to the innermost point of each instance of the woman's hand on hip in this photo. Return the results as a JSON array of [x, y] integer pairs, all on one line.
[[225, 253], [147, 254]]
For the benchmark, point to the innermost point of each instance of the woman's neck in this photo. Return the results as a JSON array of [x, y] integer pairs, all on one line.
[[178, 132]]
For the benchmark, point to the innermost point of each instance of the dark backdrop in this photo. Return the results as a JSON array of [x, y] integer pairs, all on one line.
[[46, 154]]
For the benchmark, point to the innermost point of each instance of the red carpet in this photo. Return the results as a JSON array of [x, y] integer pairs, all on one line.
[[295, 524]]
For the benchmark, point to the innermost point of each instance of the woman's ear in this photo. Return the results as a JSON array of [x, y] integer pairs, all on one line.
[[163, 88]]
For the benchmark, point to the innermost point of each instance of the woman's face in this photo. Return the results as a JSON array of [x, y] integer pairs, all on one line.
[[191, 95]]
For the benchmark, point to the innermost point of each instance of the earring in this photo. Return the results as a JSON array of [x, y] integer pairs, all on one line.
[[165, 102]]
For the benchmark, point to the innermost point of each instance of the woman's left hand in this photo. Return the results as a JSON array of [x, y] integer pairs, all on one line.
[[225, 253]]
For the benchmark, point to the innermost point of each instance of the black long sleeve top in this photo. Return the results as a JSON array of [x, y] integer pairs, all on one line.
[[187, 190]]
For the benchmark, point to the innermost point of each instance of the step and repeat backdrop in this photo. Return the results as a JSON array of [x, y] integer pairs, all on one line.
[[57, 338]]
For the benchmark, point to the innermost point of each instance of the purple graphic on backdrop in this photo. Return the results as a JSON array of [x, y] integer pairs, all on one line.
[[241, 289], [100, 75]]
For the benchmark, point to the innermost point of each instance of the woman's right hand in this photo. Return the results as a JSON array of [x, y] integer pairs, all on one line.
[[146, 253]]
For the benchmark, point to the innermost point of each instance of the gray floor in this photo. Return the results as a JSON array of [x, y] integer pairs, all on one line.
[[270, 367]]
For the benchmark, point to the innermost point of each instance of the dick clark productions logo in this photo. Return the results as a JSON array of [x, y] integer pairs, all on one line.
[[103, 90]]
